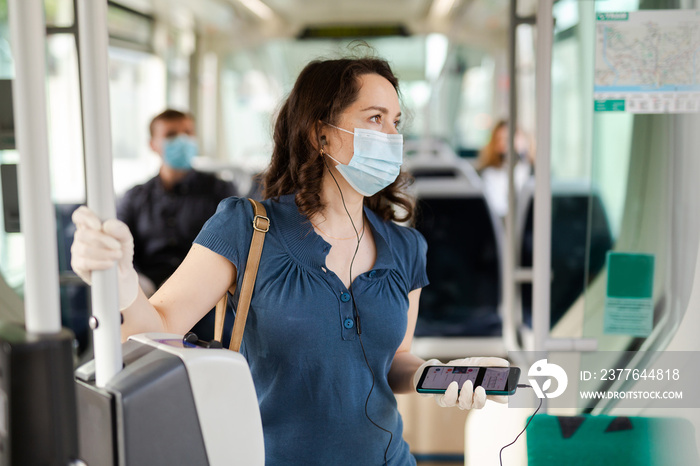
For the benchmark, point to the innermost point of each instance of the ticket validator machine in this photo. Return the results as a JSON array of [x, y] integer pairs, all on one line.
[[157, 399]]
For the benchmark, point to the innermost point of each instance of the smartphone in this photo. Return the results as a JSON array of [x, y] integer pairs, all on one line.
[[495, 380]]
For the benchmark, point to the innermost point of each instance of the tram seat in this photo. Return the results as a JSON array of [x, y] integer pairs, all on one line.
[[577, 208], [460, 310]]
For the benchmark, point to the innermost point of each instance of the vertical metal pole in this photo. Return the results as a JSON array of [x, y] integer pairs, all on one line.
[[542, 228], [509, 330], [41, 294], [93, 41]]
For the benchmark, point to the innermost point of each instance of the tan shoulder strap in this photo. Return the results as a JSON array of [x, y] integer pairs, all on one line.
[[261, 225]]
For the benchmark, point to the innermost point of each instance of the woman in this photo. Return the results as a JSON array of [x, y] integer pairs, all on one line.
[[493, 168], [336, 296]]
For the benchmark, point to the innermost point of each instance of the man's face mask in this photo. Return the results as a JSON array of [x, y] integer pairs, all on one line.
[[376, 160], [179, 151]]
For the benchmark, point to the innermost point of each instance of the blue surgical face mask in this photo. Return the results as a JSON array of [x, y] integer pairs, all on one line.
[[179, 151], [376, 160]]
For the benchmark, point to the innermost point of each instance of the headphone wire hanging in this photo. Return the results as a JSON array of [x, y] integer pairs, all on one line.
[[357, 312]]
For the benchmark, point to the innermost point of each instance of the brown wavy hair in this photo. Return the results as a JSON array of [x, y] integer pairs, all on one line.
[[323, 90], [490, 156]]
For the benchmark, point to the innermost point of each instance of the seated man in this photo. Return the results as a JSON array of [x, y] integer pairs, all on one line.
[[166, 213]]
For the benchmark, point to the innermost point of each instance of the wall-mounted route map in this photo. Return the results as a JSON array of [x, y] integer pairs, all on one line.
[[648, 61]]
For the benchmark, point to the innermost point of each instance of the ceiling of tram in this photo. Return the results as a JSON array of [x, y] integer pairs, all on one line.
[[323, 11], [465, 19]]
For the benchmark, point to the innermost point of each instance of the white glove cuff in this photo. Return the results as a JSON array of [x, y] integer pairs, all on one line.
[[128, 288], [419, 372]]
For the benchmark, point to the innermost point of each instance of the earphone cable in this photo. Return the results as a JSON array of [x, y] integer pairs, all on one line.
[[357, 316], [500, 454]]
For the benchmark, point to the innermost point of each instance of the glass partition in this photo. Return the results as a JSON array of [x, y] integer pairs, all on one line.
[[636, 171]]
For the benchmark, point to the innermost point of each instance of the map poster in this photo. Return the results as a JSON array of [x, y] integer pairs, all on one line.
[[647, 62]]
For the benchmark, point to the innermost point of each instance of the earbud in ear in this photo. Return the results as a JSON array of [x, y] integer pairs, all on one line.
[[323, 141]]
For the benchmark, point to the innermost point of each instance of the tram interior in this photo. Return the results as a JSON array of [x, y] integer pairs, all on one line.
[[620, 182]]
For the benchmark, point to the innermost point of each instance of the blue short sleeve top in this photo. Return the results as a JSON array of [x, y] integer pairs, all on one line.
[[301, 340]]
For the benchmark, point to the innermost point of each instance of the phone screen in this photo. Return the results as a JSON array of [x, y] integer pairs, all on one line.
[[440, 377]]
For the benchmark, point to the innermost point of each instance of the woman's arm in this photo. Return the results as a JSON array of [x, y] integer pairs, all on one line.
[[194, 289], [406, 364]]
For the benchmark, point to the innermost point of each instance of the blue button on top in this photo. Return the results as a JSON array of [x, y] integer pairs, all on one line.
[[345, 297], [348, 323], [372, 274]]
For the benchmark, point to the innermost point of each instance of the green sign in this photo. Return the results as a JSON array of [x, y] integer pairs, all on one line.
[[609, 105], [620, 16], [629, 306]]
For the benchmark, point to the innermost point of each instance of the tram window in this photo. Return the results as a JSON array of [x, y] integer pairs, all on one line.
[[11, 244], [64, 122], [453, 99], [129, 26], [249, 100], [584, 147], [59, 13], [474, 118], [6, 63], [137, 93]]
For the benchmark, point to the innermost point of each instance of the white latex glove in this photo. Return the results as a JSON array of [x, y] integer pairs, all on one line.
[[97, 245], [468, 398]]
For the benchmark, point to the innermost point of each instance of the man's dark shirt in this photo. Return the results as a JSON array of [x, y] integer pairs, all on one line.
[[164, 223]]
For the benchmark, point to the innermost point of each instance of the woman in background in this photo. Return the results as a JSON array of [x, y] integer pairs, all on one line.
[[493, 168]]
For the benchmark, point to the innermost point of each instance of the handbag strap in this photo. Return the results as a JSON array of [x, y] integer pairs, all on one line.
[[261, 225]]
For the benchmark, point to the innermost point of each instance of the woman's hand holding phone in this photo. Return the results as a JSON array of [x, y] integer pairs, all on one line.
[[467, 397]]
